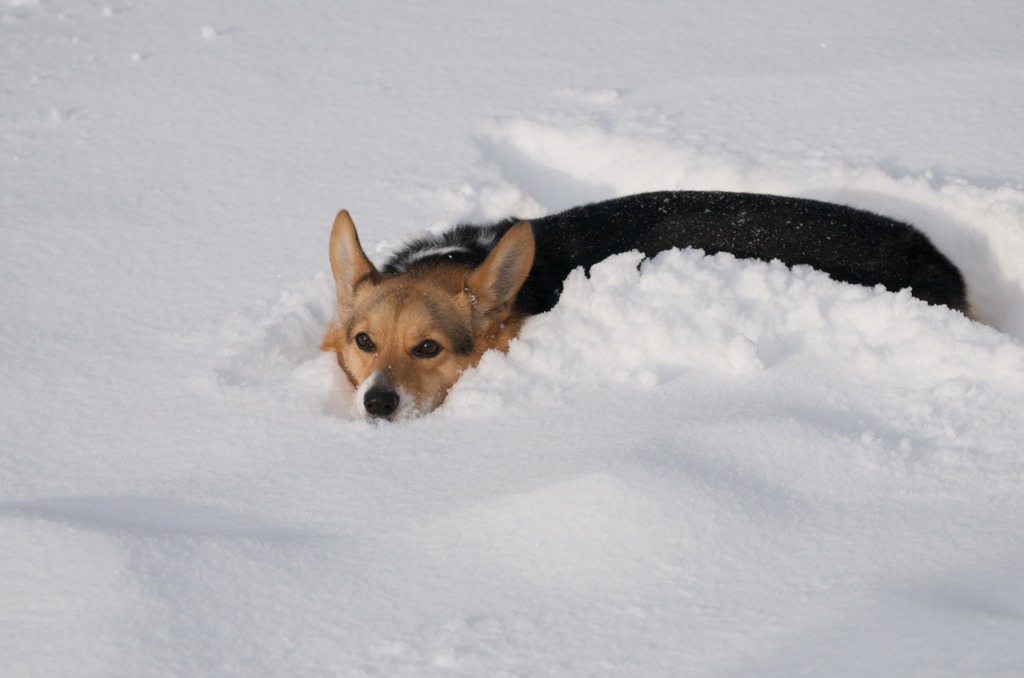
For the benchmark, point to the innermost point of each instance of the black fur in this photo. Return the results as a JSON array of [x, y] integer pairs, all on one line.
[[851, 245]]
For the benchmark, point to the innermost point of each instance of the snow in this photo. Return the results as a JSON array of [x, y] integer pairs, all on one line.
[[703, 466]]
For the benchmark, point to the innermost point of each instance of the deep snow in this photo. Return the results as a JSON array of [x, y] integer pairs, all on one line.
[[702, 467]]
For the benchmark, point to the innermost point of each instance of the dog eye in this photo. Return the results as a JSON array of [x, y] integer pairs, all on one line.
[[364, 343], [426, 349]]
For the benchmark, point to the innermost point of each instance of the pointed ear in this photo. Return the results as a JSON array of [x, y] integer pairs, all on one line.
[[348, 261], [496, 282]]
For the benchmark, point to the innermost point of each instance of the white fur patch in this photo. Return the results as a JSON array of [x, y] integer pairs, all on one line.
[[407, 407], [433, 251], [486, 239]]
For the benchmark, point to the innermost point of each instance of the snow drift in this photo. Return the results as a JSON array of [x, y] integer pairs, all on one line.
[[693, 465]]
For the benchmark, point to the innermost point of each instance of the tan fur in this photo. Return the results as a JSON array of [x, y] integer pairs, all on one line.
[[465, 311]]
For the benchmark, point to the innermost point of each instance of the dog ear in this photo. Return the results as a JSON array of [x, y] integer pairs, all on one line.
[[496, 282], [349, 263]]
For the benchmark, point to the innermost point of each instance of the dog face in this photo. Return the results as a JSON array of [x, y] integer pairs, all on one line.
[[404, 339]]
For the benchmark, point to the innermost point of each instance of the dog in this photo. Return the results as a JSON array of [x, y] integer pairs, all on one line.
[[403, 334]]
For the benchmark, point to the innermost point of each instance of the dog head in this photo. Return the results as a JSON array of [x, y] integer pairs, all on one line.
[[403, 339]]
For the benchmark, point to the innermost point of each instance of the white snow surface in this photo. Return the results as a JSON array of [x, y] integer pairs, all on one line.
[[701, 467]]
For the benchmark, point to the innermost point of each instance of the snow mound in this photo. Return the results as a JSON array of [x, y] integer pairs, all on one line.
[[684, 442], [692, 466], [566, 163]]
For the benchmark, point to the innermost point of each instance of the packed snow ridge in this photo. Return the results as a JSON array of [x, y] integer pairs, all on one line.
[[692, 466]]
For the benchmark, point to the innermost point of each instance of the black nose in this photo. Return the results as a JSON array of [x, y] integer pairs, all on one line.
[[380, 402]]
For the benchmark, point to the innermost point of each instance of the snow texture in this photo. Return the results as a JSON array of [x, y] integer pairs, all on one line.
[[700, 466]]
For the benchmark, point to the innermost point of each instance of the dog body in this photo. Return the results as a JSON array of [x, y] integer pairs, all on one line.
[[404, 334]]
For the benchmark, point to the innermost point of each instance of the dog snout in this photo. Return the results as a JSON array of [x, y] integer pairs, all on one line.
[[380, 402]]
